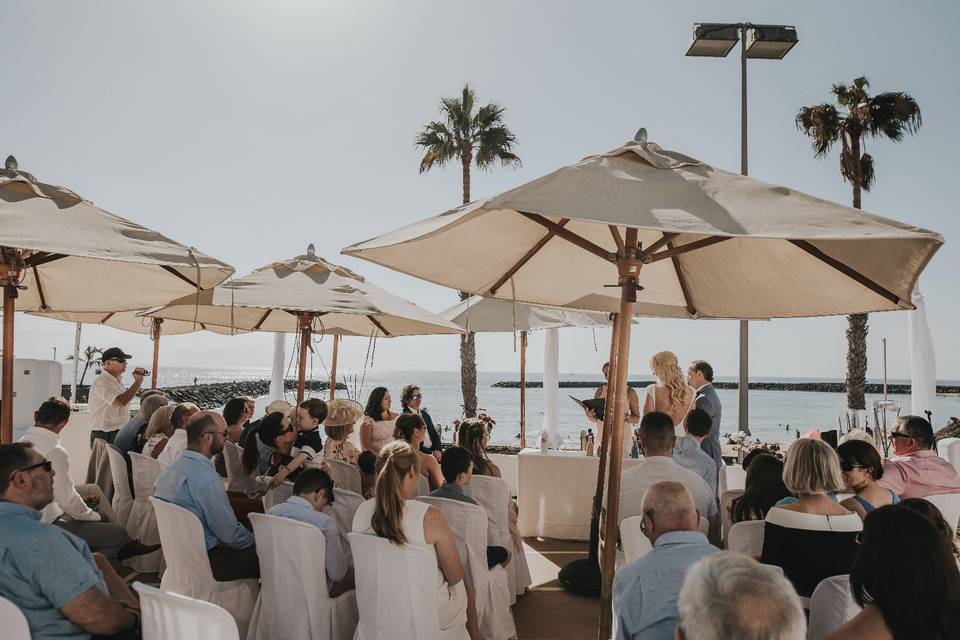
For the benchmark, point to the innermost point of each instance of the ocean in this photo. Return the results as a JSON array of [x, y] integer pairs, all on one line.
[[774, 415]]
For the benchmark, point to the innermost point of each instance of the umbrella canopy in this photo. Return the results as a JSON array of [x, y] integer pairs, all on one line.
[[491, 315], [923, 359], [132, 321]]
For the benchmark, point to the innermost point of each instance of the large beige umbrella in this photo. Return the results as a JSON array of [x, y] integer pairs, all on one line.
[[307, 294], [59, 252], [682, 238]]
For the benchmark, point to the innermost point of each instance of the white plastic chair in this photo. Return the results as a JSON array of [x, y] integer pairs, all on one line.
[[12, 621], [949, 505], [635, 542], [142, 523], [342, 510], [345, 475], [732, 477], [188, 566], [278, 494], [171, 615], [469, 526], [294, 601], [747, 538], [831, 606], [238, 480], [397, 591], [122, 498], [726, 501], [493, 494]]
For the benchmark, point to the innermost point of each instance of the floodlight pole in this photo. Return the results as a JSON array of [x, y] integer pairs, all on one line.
[[743, 388]]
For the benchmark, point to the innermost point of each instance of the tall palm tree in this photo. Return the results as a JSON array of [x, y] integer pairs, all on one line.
[[90, 355], [471, 135], [860, 117]]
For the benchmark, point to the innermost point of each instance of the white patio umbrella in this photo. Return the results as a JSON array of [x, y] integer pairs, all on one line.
[[491, 315], [59, 252], [923, 360], [682, 238], [309, 295]]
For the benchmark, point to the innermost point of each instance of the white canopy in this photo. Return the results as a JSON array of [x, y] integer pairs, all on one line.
[[923, 359], [492, 315], [132, 321], [716, 244]]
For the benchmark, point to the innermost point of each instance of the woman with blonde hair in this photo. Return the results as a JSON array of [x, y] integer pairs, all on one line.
[[394, 514], [670, 394], [159, 430]]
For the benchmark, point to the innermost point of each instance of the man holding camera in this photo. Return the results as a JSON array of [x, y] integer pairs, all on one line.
[[109, 400]]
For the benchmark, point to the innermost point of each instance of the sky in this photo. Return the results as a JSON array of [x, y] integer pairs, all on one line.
[[248, 129]]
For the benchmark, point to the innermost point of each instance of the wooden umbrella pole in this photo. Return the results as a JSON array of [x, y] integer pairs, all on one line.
[[333, 366], [523, 389], [11, 276], [593, 551], [157, 324], [304, 324], [629, 270]]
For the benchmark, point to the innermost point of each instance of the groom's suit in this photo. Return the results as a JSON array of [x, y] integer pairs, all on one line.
[[709, 401]]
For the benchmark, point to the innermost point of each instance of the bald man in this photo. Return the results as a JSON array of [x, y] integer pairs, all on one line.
[[645, 591]]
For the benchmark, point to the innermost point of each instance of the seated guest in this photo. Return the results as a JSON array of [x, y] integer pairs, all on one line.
[[917, 471], [457, 467], [286, 461], [312, 492], [753, 453], [277, 406], [159, 429], [645, 591], [191, 482], [473, 435], [763, 488], [367, 462], [235, 413], [411, 399], [658, 437], [342, 414], [394, 514], [813, 537], [177, 443], [728, 595], [379, 421], [862, 468], [49, 574], [930, 511], [688, 453], [310, 414], [130, 437], [413, 430], [905, 578]]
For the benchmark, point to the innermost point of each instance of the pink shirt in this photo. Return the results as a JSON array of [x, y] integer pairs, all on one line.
[[920, 474]]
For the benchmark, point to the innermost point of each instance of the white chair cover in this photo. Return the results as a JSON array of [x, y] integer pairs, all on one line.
[[142, 523], [12, 621], [294, 601], [397, 591], [345, 475], [122, 498], [277, 495], [98, 468], [732, 477], [949, 505], [509, 469], [635, 542], [238, 480], [747, 538], [953, 454], [831, 606], [423, 486], [493, 494], [704, 526], [943, 447], [342, 510], [170, 615], [188, 567], [726, 500]]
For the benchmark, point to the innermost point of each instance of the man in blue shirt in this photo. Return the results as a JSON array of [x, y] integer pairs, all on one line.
[[192, 482], [645, 591], [312, 492], [49, 574], [688, 452]]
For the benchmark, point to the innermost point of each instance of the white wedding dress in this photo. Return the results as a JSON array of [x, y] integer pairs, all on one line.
[[677, 426]]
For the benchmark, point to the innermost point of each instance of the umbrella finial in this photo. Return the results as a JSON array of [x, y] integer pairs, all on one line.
[[641, 135], [11, 163], [311, 250]]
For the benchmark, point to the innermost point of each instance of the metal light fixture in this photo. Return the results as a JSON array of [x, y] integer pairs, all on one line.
[[769, 41], [713, 40]]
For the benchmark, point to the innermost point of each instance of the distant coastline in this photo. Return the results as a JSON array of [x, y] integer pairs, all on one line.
[[209, 396], [819, 387]]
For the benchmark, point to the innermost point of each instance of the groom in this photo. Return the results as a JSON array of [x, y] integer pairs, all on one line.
[[700, 377]]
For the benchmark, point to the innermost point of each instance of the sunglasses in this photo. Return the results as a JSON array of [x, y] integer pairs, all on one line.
[[419, 396], [46, 464], [849, 466], [898, 434]]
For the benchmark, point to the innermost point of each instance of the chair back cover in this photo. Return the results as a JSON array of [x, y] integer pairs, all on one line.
[[142, 523], [635, 542], [342, 510], [345, 475], [746, 537], [831, 606], [294, 601], [98, 468], [12, 621], [238, 480], [732, 477], [396, 590], [726, 501], [949, 505], [278, 494], [122, 498], [704, 526], [493, 494], [423, 486], [171, 615]]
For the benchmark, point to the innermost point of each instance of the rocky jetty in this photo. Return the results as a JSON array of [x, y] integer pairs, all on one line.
[[823, 387], [951, 430]]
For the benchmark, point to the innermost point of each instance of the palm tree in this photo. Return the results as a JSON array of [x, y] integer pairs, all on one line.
[[860, 116], [470, 135], [89, 357]]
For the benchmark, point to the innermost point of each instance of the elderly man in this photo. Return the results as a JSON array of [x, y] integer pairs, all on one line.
[[191, 482], [658, 437], [687, 452], [917, 471], [63, 590], [700, 377], [645, 591], [730, 595], [177, 443], [109, 400]]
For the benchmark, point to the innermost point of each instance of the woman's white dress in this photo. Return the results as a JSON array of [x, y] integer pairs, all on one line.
[[677, 426]]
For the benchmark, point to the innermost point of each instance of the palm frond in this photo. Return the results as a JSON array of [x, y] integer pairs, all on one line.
[[488, 116], [496, 144], [893, 114], [438, 143], [842, 94], [823, 124], [866, 171]]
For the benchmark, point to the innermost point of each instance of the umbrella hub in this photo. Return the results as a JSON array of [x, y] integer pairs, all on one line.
[[11, 164], [629, 276]]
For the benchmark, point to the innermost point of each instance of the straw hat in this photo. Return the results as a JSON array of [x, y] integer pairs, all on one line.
[[342, 412], [279, 406]]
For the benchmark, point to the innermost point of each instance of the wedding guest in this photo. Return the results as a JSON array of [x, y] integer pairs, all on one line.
[[633, 411], [379, 421], [285, 461], [930, 511], [394, 514], [237, 413], [171, 449], [342, 414], [917, 471], [474, 437], [670, 394], [310, 414], [753, 453], [130, 437], [413, 430], [862, 468], [813, 537], [700, 377], [763, 489], [687, 452], [367, 462], [276, 406], [411, 399], [109, 400], [905, 578], [159, 430]]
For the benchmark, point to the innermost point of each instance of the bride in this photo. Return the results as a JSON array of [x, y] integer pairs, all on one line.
[[670, 394]]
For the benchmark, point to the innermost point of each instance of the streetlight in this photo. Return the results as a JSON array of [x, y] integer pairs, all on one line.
[[762, 41]]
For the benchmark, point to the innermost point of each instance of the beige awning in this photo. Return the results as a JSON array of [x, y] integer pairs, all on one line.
[[490, 315], [132, 321]]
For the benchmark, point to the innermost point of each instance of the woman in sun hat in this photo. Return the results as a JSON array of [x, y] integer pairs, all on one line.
[[342, 414]]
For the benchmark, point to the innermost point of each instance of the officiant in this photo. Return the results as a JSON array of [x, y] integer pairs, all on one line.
[[632, 419]]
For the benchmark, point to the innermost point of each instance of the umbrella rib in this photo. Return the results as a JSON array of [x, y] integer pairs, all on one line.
[[43, 298], [379, 326], [256, 327], [616, 238], [692, 310], [686, 248], [526, 258], [846, 270], [106, 317], [41, 258], [665, 240], [170, 269], [571, 237]]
